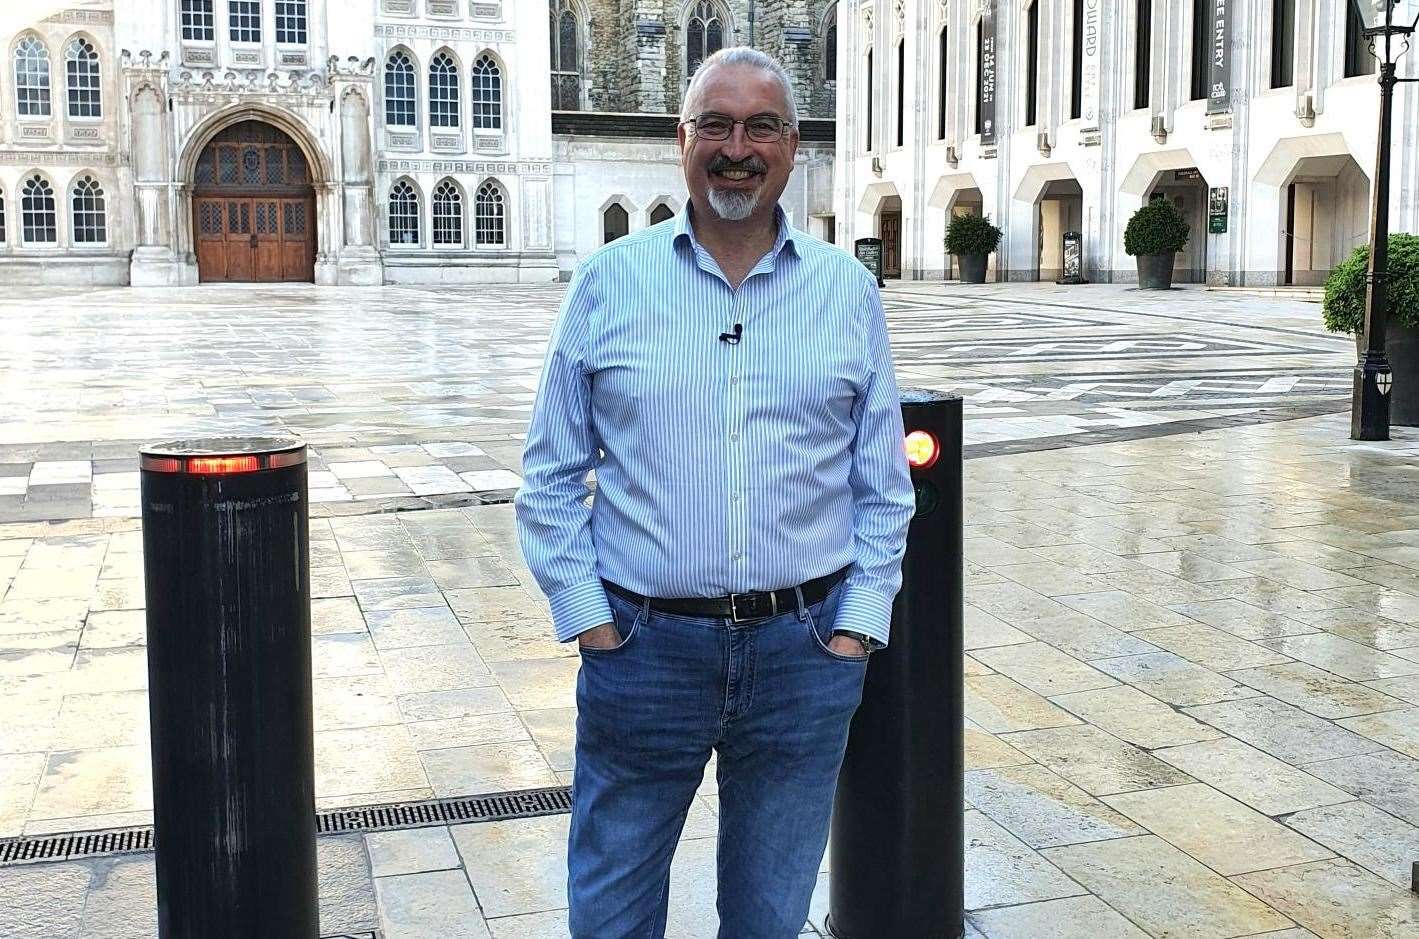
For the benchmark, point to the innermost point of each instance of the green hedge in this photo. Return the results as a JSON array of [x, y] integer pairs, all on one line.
[[971, 234], [1344, 308], [1156, 228]]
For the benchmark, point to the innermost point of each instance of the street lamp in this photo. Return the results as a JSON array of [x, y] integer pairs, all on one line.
[[1369, 402]]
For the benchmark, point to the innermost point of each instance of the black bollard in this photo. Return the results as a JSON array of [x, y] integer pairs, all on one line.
[[897, 852], [226, 552]]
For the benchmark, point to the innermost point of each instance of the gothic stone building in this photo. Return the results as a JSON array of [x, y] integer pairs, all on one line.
[[172, 142]]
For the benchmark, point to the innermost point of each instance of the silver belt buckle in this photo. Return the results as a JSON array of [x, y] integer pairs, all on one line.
[[734, 607]]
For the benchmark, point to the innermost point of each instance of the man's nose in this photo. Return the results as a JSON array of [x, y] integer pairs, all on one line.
[[736, 146]]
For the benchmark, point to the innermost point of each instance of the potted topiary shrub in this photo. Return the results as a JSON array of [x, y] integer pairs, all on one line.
[[1154, 235], [1344, 312], [971, 238]]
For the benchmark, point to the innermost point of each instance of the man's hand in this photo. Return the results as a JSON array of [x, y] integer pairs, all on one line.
[[599, 637], [846, 645]]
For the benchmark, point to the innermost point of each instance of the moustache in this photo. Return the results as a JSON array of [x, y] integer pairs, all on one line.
[[752, 165]]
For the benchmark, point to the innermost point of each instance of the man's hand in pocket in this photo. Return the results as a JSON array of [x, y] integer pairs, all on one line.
[[599, 637]]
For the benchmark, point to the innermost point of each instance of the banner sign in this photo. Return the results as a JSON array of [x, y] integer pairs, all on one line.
[[1092, 31], [1217, 210], [987, 75], [869, 252], [1219, 66]]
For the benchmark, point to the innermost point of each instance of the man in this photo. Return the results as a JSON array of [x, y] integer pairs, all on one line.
[[730, 382]]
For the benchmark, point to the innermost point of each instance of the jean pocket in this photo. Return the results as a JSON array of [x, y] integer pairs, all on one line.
[[814, 630], [627, 627]]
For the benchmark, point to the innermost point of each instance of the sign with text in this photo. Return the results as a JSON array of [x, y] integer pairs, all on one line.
[[1219, 66], [869, 252], [1217, 210], [987, 74], [1092, 31], [1073, 251]]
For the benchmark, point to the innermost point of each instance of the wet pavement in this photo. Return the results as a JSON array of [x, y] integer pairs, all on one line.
[[1193, 659]]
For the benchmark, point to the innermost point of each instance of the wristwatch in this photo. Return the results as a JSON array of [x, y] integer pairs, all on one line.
[[868, 643]]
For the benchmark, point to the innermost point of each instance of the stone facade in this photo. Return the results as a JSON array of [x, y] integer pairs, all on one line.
[[637, 48], [388, 160], [1291, 137]]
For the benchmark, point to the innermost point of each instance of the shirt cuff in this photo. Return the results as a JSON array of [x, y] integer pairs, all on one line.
[[863, 610], [579, 608]]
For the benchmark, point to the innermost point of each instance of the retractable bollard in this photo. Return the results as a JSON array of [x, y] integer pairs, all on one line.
[[897, 852], [227, 560]]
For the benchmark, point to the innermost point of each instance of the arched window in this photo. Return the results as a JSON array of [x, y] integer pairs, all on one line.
[[37, 212], [291, 22], [2, 217], [901, 91], [443, 91], [830, 53], [980, 76], [448, 214], [704, 35], [1032, 64], [615, 223], [943, 72], [661, 213], [197, 20], [403, 214], [88, 219], [1143, 54], [488, 215], [32, 78], [566, 56], [399, 95], [487, 94], [244, 20], [81, 72]]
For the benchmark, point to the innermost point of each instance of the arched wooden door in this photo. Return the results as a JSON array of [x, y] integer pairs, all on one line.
[[253, 207]]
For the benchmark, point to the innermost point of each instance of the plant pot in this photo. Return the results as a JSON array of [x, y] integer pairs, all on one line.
[[972, 267], [1155, 271], [1402, 350]]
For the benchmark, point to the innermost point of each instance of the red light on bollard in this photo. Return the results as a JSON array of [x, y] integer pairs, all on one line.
[[922, 449], [223, 464]]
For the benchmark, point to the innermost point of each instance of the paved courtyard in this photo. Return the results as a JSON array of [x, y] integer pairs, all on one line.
[[1192, 632]]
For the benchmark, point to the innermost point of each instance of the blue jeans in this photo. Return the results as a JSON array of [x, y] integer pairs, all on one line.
[[772, 699]]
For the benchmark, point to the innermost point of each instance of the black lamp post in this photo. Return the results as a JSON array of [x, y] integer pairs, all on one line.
[[1369, 402]]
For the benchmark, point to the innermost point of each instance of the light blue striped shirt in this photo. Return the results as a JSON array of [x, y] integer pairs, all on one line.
[[720, 468]]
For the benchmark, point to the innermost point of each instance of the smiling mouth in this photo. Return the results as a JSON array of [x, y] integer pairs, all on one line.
[[735, 176]]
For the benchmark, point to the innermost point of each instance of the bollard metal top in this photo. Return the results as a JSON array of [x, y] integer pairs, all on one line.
[[925, 396], [221, 455]]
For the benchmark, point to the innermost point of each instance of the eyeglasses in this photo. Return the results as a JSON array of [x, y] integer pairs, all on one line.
[[761, 128]]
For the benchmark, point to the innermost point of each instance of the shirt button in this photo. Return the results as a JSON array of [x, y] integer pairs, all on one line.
[[734, 380], [738, 557], [733, 438], [734, 497]]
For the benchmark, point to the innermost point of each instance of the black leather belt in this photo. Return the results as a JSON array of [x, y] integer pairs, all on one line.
[[738, 607]]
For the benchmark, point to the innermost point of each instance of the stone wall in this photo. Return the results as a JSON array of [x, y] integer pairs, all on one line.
[[636, 56]]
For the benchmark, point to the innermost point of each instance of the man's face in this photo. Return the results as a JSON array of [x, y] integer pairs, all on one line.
[[737, 176]]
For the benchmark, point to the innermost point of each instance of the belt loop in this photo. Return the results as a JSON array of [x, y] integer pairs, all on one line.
[[802, 607], [645, 609]]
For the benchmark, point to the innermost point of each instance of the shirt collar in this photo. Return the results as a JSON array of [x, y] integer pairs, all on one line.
[[685, 232]]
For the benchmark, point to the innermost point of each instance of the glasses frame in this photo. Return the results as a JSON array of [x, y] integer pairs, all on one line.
[[783, 131]]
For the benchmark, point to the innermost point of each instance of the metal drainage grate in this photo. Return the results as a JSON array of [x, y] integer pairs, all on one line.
[[501, 806]]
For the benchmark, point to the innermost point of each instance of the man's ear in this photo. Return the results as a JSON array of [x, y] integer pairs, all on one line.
[[682, 138]]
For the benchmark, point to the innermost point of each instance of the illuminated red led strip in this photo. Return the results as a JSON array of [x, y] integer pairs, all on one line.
[[221, 465]]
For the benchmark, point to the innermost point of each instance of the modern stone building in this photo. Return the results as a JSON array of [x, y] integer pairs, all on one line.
[[178, 141], [1060, 115]]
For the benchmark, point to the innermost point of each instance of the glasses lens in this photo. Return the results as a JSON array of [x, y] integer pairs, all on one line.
[[713, 126], [764, 129]]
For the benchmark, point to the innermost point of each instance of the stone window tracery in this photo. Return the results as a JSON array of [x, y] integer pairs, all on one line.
[[32, 78], [443, 91], [661, 213], [487, 94], [615, 223], [37, 212], [399, 95], [88, 219], [488, 215], [704, 35], [566, 56], [448, 214], [81, 70], [403, 214]]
